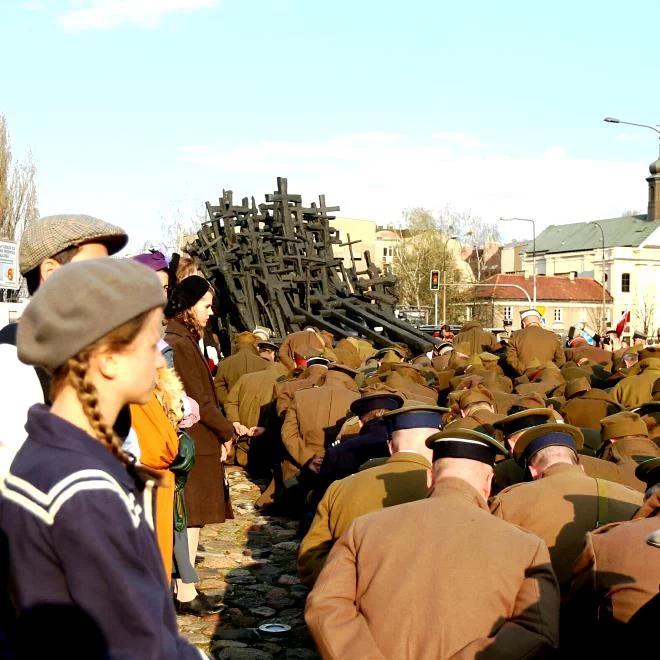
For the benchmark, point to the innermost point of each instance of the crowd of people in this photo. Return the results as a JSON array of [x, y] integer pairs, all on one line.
[[493, 497]]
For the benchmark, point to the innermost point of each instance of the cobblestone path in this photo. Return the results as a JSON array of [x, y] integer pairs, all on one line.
[[251, 562]]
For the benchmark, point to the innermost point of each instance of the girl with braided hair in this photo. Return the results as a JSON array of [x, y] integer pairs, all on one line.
[[84, 569]]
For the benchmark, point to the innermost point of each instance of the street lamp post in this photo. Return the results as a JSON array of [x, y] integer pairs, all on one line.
[[444, 277], [602, 237], [614, 120], [533, 248]]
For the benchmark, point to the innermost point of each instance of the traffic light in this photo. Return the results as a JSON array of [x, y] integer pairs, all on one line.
[[434, 284]]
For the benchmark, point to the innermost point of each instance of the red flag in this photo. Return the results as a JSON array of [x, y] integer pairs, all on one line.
[[623, 321]]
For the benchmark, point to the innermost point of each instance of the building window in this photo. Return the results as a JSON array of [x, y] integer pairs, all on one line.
[[384, 253], [557, 317], [625, 282], [508, 314]]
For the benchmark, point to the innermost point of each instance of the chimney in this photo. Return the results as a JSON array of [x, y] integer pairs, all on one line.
[[654, 191]]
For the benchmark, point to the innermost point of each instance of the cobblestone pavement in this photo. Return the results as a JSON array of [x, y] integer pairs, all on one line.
[[251, 563]]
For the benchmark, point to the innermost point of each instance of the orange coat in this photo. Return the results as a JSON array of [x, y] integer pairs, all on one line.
[[159, 446]]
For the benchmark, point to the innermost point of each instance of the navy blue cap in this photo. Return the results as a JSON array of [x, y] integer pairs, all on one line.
[[376, 401], [546, 435], [414, 417]]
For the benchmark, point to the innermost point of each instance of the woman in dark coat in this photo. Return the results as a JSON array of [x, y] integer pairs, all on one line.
[[206, 494]]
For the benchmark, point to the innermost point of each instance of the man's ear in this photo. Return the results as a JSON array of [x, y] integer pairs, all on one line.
[[46, 268], [430, 478], [534, 471], [389, 445]]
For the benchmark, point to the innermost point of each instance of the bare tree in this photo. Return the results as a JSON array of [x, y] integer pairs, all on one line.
[[645, 313], [18, 196], [176, 230]]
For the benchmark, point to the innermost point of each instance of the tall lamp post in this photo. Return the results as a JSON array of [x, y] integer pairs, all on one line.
[[602, 238], [614, 120], [444, 276], [533, 248]]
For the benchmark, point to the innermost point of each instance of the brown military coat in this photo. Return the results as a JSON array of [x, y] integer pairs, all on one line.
[[473, 333], [305, 342], [434, 579], [246, 360], [638, 389], [587, 409], [592, 353], [626, 454], [534, 342], [249, 399], [311, 423], [311, 377], [401, 479], [617, 572], [561, 507], [410, 389]]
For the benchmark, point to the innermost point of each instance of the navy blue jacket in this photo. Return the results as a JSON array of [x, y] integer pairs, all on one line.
[[346, 456], [80, 535]]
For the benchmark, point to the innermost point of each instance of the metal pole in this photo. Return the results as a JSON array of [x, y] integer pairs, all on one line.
[[444, 277], [602, 239], [435, 296]]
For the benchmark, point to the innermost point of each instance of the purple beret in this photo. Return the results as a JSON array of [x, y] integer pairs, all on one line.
[[153, 259]]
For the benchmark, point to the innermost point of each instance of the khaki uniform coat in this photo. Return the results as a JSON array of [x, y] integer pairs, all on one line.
[[626, 454], [311, 377], [592, 353], [534, 342], [401, 479], [303, 343], [249, 400], [246, 360], [561, 507], [313, 421], [434, 579], [617, 572], [206, 499], [587, 409], [638, 389], [473, 333]]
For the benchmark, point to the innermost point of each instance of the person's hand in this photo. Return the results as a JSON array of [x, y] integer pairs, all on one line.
[[240, 429], [314, 464], [256, 431], [224, 451]]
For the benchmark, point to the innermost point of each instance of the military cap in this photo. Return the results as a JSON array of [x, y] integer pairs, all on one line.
[[650, 408], [465, 443], [479, 394], [485, 356], [546, 435], [46, 237], [572, 372], [80, 304], [649, 352], [318, 360], [261, 332], [472, 424], [268, 346], [622, 424], [576, 386], [525, 419], [528, 388], [442, 346], [380, 354], [529, 312], [377, 400], [414, 415], [186, 294], [530, 400], [639, 335], [345, 369], [649, 472]]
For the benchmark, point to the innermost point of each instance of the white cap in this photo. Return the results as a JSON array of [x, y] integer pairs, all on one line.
[[529, 312]]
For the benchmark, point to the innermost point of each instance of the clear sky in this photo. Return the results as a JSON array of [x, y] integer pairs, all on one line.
[[137, 110]]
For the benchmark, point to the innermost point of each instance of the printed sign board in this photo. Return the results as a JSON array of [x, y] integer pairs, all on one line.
[[9, 265]]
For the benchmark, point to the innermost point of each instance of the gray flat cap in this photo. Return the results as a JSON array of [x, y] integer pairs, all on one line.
[[46, 237], [81, 303]]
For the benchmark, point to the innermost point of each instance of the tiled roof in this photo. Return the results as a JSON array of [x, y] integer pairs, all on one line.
[[619, 232], [582, 289]]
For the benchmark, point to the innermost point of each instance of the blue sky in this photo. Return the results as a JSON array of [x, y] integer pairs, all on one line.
[[140, 110]]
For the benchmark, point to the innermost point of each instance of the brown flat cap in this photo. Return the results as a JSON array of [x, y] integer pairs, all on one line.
[[82, 303], [576, 386], [46, 237], [622, 424]]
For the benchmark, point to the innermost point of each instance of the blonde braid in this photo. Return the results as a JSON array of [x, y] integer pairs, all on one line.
[[77, 373]]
